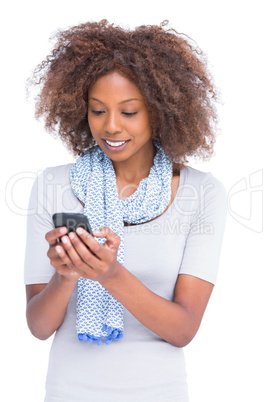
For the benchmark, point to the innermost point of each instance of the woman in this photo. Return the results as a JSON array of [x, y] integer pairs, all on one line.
[[134, 105]]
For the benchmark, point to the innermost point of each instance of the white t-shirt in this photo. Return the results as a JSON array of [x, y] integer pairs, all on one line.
[[141, 367]]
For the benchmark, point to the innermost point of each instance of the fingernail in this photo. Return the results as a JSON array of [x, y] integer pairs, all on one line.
[[71, 235], [80, 231], [58, 249], [62, 230], [64, 240], [96, 232]]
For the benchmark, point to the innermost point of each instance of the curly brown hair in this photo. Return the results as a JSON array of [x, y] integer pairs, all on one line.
[[167, 67]]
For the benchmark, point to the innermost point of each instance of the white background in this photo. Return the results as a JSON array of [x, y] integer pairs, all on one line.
[[227, 361]]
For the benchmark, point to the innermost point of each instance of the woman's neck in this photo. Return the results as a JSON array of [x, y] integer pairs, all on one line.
[[135, 168]]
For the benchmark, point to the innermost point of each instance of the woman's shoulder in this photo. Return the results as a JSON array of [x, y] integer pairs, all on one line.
[[56, 174], [198, 189], [52, 188], [200, 180]]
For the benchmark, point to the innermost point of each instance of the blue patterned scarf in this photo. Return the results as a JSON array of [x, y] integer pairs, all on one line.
[[93, 180]]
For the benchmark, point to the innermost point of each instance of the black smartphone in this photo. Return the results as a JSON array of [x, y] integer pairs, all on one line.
[[72, 221]]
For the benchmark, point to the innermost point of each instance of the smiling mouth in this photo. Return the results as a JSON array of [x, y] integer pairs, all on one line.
[[115, 144]]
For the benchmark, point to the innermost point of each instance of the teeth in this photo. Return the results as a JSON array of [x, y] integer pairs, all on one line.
[[115, 144]]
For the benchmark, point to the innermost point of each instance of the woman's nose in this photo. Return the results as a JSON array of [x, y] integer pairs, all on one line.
[[113, 123]]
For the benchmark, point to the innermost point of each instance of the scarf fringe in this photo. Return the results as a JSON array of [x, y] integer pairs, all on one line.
[[112, 335]]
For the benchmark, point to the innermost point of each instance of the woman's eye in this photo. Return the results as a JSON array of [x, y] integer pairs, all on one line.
[[129, 114], [97, 112]]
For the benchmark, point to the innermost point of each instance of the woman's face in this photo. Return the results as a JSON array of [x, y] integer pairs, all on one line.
[[118, 119]]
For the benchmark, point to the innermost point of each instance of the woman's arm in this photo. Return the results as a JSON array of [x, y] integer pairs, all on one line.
[[175, 321], [47, 303]]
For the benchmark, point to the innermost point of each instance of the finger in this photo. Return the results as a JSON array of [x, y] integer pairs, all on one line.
[[85, 253], [83, 264], [95, 247], [53, 255], [64, 257], [66, 268], [52, 236], [113, 240]]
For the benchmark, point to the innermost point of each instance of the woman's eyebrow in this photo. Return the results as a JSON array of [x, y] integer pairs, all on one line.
[[129, 100], [124, 101], [95, 99]]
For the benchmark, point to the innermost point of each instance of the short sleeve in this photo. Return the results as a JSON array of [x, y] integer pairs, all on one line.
[[37, 268], [203, 243]]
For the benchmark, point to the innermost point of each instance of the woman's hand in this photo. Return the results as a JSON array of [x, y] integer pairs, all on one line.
[[54, 254], [83, 254], [47, 303]]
